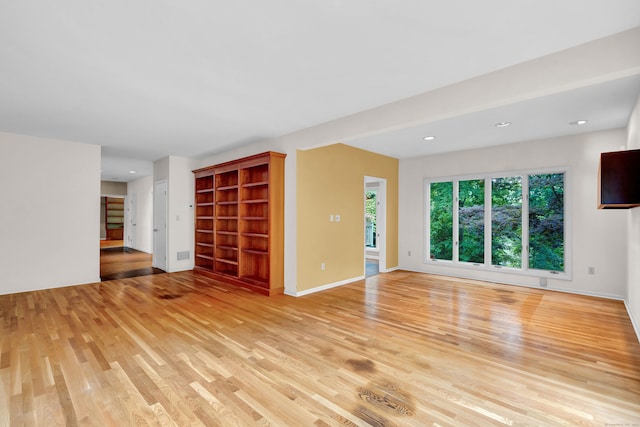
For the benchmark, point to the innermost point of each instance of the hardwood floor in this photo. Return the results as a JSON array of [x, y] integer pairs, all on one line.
[[123, 262], [111, 243], [397, 349]]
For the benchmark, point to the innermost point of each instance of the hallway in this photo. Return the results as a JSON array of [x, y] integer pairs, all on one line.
[[120, 262]]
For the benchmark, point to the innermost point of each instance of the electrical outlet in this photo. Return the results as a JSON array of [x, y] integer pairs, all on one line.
[[337, 218], [409, 253], [331, 217], [322, 266], [592, 270]]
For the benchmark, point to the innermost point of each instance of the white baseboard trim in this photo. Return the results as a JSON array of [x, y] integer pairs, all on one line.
[[524, 285], [325, 287], [334, 285], [633, 321]]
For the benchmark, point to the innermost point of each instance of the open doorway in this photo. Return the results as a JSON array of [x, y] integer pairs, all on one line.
[[112, 221], [126, 229], [374, 225]]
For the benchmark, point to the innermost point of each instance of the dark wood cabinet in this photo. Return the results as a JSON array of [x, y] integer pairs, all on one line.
[[619, 180], [239, 222]]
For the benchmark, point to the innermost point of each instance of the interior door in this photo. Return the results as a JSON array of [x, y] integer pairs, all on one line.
[[132, 221], [160, 225]]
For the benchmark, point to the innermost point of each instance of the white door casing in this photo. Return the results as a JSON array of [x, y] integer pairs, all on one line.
[[380, 221]]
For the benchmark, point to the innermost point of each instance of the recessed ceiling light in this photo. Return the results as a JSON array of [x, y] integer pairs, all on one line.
[[132, 172], [429, 138], [503, 124], [579, 122]]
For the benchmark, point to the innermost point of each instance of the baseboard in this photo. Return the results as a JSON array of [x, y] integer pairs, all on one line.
[[325, 287], [335, 284], [633, 321], [523, 285]]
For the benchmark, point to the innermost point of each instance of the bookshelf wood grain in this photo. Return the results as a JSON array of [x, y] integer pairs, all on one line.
[[239, 222]]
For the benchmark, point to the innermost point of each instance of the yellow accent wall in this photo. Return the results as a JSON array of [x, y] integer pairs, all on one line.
[[330, 181]]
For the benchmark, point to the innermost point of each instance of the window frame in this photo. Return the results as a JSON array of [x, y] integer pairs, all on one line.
[[487, 266]]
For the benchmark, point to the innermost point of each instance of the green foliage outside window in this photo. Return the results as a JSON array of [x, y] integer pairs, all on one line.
[[441, 218], [371, 211], [546, 222], [471, 220], [506, 221]]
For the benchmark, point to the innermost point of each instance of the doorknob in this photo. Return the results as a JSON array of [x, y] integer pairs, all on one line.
[[155, 229]]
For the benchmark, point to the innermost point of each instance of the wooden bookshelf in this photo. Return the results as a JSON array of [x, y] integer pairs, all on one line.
[[204, 215], [114, 208], [239, 222]]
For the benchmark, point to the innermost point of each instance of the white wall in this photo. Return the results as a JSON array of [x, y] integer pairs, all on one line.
[[50, 216], [633, 284], [599, 236], [140, 236]]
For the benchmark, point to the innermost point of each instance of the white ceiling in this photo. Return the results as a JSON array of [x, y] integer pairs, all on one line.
[[147, 79]]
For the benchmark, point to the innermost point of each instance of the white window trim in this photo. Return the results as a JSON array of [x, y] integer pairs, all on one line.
[[486, 266]]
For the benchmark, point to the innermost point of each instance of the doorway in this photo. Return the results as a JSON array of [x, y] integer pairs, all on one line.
[[125, 237], [374, 225]]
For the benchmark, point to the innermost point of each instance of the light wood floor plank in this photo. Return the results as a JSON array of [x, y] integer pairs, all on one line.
[[397, 349]]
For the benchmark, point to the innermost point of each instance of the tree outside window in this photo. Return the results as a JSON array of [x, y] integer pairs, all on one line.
[[539, 197]]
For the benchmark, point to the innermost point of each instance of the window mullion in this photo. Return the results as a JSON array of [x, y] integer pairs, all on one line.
[[456, 218], [487, 222], [427, 221], [525, 222]]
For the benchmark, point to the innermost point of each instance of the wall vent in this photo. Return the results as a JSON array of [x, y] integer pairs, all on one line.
[[183, 255]]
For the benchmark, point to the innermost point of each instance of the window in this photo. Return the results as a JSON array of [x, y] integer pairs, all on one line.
[[516, 221], [441, 233], [546, 222], [506, 222], [471, 220]]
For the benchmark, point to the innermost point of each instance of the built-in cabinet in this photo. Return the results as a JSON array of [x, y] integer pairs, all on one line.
[[239, 222], [114, 208]]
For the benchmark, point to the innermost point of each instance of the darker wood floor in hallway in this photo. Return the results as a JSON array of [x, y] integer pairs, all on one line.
[[121, 262]]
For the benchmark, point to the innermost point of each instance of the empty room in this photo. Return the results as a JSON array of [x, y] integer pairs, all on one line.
[[361, 213]]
